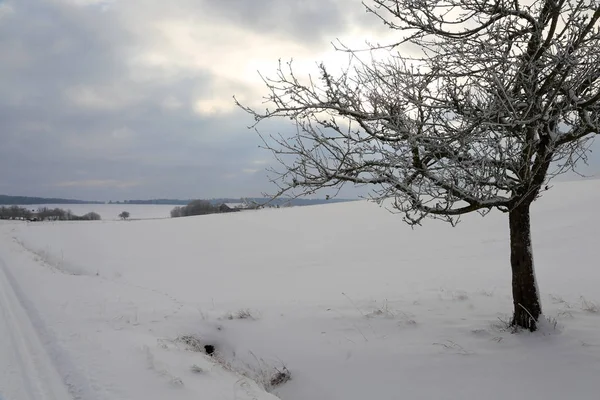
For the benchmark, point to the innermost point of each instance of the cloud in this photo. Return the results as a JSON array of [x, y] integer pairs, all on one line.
[[309, 21], [5, 10], [107, 183], [101, 98]]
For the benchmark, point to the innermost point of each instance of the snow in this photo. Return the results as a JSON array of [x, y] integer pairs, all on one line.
[[25, 362], [352, 301], [112, 211]]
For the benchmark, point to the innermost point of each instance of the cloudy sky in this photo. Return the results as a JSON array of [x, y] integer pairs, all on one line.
[[119, 99], [114, 99]]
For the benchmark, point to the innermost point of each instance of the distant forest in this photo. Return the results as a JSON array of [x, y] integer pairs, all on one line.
[[173, 202], [24, 200]]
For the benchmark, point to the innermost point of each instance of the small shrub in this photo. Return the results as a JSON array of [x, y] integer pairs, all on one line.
[[552, 322], [196, 369], [383, 311], [407, 320], [546, 325], [280, 376], [556, 299], [460, 296], [176, 381], [505, 324], [266, 374], [589, 306], [244, 313], [192, 342]]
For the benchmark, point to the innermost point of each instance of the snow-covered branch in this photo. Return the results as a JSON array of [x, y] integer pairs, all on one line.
[[500, 95]]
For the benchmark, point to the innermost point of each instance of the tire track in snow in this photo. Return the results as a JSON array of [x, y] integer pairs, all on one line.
[[30, 369]]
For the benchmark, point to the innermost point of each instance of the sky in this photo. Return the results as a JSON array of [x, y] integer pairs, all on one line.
[[116, 99], [123, 99]]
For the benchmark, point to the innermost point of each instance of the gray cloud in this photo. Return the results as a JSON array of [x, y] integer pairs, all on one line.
[[307, 20], [78, 122]]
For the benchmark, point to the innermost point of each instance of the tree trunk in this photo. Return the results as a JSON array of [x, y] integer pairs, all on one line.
[[526, 298]]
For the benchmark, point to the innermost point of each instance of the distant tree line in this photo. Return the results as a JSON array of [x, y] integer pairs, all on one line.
[[218, 201], [25, 200], [204, 207], [45, 214], [195, 207]]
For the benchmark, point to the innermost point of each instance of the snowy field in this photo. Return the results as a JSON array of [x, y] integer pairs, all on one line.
[[112, 211], [348, 299]]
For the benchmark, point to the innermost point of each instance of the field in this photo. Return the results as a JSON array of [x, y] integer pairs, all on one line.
[[111, 212], [345, 299]]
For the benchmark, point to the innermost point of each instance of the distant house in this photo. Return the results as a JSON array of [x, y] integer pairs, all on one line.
[[228, 207], [233, 207]]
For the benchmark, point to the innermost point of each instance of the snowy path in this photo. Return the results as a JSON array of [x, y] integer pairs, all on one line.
[[27, 372]]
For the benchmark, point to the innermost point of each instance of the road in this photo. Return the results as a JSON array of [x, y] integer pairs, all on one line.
[[26, 369]]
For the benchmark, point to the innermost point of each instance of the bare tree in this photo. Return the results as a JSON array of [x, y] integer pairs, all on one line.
[[124, 215], [91, 216], [177, 212], [499, 98]]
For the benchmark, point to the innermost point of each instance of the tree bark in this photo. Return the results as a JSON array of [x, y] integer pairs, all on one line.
[[526, 300]]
